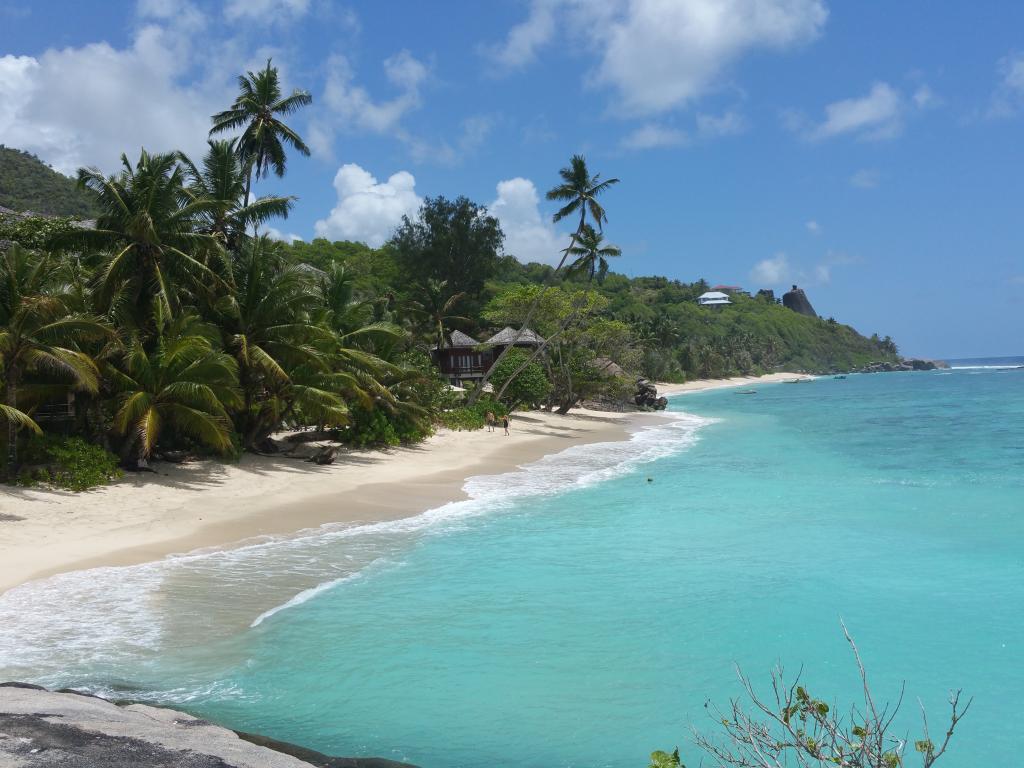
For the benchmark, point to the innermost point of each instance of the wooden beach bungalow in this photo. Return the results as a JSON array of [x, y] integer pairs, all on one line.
[[464, 360]]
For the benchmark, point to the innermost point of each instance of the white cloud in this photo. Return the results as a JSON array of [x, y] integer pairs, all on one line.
[[866, 178], [727, 124], [524, 39], [1009, 95], [813, 227], [772, 272], [266, 11], [529, 236], [87, 105], [925, 98], [662, 54], [368, 210], [653, 135], [877, 115], [474, 133], [354, 105], [275, 234]]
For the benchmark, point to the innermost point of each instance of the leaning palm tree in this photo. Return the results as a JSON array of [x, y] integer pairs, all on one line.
[[579, 192], [257, 110], [436, 310], [268, 328], [39, 336], [150, 226], [221, 180], [183, 385], [591, 255]]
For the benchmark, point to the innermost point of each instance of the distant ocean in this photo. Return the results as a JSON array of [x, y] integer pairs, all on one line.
[[575, 614]]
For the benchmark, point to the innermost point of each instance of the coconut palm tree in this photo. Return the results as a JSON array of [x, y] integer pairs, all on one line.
[[222, 181], [436, 309], [590, 255], [152, 228], [579, 192], [39, 336], [183, 384], [268, 327], [257, 110]]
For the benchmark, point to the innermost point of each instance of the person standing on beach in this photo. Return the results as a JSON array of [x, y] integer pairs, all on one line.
[[504, 423], [490, 418]]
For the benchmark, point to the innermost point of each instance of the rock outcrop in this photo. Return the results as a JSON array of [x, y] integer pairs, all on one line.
[[797, 301], [647, 396], [908, 364], [48, 728]]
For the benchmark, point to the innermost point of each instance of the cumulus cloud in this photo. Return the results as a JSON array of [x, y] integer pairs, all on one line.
[[727, 124], [813, 227], [526, 38], [1009, 95], [275, 234], [529, 236], [866, 178], [368, 210], [84, 106], [265, 11], [354, 105], [661, 54], [876, 115], [652, 135], [773, 271]]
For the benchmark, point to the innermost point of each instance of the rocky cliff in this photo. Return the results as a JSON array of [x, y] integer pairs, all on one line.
[[70, 730], [796, 300]]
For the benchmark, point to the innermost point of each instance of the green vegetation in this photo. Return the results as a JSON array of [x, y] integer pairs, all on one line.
[[174, 326], [28, 184], [69, 463], [789, 726]]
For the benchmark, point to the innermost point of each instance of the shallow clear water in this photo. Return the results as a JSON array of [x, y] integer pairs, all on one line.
[[575, 614]]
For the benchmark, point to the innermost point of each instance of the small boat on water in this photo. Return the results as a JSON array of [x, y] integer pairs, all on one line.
[[746, 392]]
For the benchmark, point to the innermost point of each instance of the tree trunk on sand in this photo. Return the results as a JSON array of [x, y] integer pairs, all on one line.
[[11, 399], [475, 394]]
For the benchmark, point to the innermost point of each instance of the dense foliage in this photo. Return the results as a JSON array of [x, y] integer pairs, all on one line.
[[28, 184], [172, 325]]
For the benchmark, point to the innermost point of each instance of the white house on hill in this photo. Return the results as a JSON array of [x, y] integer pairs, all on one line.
[[713, 298]]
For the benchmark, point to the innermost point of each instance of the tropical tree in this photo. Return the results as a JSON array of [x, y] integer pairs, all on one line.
[[257, 110], [436, 308], [221, 181], [590, 255], [267, 327], [579, 192], [38, 336], [151, 226], [182, 385]]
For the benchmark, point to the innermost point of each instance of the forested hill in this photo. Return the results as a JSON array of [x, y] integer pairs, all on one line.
[[677, 339], [28, 184]]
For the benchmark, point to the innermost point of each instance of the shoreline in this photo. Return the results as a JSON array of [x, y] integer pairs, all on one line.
[[208, 505], [705, 385]]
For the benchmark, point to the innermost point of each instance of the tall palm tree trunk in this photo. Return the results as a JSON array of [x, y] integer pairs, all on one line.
[[475, 395], [11, 400]]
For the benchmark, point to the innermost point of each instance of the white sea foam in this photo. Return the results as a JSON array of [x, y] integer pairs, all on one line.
[[97, 623]]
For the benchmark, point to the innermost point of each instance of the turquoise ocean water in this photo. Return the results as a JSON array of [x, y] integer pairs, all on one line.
[[575, 614]]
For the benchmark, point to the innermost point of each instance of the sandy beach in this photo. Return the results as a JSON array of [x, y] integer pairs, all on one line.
[[206, 504], [703, 385], [201, 504]]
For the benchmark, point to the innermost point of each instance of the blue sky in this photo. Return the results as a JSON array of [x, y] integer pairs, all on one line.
[[870, 151]]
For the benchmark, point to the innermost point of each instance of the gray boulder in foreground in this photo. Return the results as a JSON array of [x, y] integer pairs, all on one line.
[[69, 730]]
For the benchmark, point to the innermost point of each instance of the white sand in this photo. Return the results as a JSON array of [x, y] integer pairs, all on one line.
[[144, 517], [702, 385], [203, 504]]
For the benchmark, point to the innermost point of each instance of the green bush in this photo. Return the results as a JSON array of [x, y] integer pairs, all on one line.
[[375, 426], [67, 462], [470, 417]]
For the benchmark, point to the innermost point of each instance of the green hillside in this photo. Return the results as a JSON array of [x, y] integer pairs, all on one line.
[[28, 184]]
